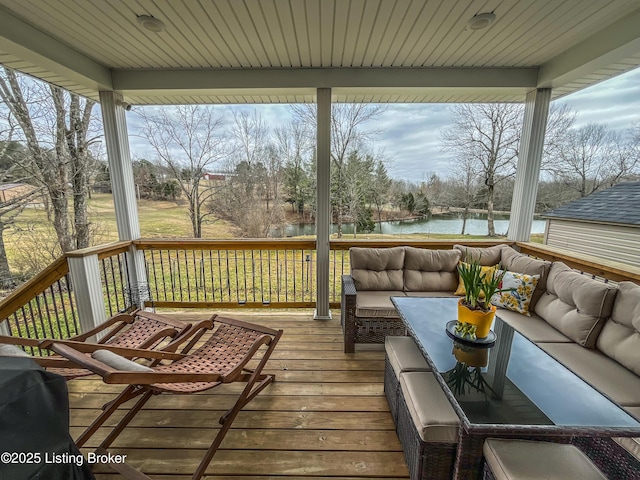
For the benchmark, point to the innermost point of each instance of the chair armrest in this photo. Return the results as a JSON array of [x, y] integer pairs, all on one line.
[[348, 313], [348, 285], [23, 342], [193, 334], [122, 318]]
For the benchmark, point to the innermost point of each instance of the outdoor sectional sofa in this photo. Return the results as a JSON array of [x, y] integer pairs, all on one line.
[[591, 327]]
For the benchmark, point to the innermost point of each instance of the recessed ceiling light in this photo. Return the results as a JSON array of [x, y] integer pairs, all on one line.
[[480, 21], [151, 23]]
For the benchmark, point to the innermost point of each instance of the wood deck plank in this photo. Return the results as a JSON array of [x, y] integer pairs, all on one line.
[[325, 417]]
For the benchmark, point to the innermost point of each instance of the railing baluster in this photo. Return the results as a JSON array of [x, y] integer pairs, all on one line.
[[125, 279], [188, 281], [179, 273], [220, 276], [55, 309], [65, 314], [113, 279], [286, 278], [269, 269], [171, 275], [278, 275], [253, 275], [235, 259], [106, 283], [261, 278], [203, 278], [163, 273]]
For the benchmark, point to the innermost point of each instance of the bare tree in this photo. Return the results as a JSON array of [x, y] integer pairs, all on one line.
[[293, 147], [251, 197], [189, 142], [465, 187], [592, 157], [58, 145], [347, 135], [487, 135]]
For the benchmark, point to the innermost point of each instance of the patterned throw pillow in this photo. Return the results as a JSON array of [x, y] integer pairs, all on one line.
[[519, 298], [483, 272]]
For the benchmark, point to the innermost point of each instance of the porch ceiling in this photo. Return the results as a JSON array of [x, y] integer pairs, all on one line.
[[270, 51]]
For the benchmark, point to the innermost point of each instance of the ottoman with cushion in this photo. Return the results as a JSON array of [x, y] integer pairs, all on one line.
[[529, 460], [427, 427], [401, 355]]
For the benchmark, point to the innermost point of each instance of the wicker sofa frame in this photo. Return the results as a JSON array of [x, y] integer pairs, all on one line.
[[363, 329]]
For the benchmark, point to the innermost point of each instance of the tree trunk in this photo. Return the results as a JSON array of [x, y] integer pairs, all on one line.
[[6, 279], [490, 226], [465, 215], [59, 203], [76, 137]]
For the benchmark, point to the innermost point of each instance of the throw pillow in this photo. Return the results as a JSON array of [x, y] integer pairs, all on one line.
[[484, 271], [518, 298]]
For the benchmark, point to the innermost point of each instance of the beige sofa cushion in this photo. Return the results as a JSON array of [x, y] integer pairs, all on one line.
[[432, 414], [606, 375], [576, 304], [430, 270], [376, 303], [620, 336], [485, 256], [404, 355], [533, 327], [633, 411], [377, 268], [527, 460], [516, 262]]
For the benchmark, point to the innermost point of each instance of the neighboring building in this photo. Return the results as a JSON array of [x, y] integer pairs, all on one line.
[[215, 176], [605, 224]]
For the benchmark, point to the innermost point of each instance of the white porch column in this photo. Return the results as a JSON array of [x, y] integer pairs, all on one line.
[[87, 290], [323, 218], [123, 187], [525, 189]]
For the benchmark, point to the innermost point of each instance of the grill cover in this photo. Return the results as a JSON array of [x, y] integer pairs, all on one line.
[[34, 419]]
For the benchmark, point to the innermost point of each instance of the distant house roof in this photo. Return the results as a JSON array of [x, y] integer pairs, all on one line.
[[619, 204]]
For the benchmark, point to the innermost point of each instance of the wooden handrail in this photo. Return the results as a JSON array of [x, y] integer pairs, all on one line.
[[59, 268], [103, 251], [431, 244], [585, 263], [225, 244], [28, 290]]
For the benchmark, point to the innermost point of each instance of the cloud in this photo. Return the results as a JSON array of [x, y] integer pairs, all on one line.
[[615, 103]]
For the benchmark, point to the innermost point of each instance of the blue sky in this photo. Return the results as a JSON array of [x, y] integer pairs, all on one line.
[[409, 133]]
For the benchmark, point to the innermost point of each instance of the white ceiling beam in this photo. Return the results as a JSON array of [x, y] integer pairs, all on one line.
[[31, 45], [136, 82], [613, 43]]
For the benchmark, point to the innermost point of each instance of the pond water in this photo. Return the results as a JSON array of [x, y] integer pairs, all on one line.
[[448, 223]]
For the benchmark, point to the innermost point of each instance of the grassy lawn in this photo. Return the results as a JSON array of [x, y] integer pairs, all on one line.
[[32, 232]]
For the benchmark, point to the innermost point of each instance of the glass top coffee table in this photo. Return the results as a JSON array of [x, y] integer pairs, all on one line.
[[509, 389]]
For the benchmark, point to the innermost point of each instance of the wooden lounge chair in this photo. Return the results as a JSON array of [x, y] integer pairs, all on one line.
[[223, 358], [137, 329]]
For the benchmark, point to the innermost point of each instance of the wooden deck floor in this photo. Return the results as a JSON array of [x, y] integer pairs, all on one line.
[[326, 416]]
